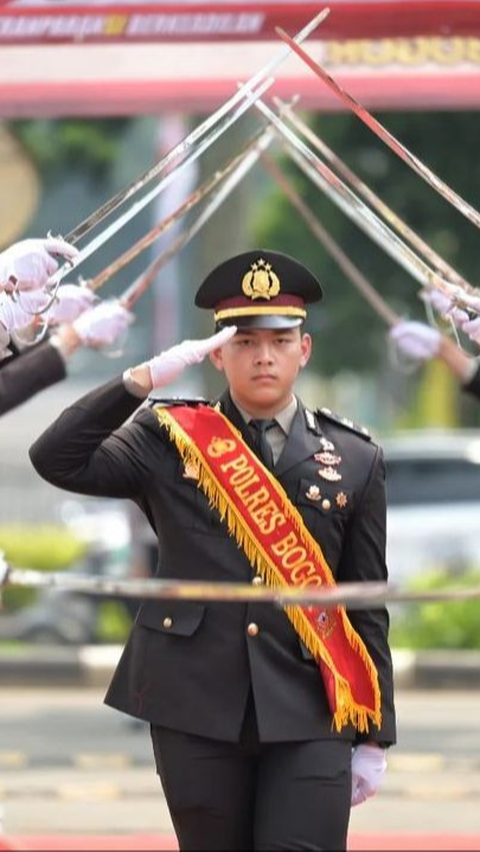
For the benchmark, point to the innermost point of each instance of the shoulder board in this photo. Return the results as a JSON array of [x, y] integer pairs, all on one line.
[[176, 400], [345, 422]]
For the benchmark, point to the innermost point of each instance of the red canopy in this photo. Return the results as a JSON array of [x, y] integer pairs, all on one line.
[[111, 58]]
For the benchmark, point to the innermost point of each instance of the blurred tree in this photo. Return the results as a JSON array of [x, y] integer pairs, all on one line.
[[55, 146], [350, 334]]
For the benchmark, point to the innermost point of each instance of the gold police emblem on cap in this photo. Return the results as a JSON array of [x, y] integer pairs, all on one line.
[[261, 282]]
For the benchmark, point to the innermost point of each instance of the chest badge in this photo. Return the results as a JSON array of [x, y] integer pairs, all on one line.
[[327, 445], [330, 474], [313, 493], [191, 471], [327, 458], [341, 500]]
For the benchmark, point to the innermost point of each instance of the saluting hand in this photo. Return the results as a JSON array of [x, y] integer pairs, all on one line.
[[167, 366]]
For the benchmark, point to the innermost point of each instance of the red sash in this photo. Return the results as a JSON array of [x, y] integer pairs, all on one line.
[[270, 530]]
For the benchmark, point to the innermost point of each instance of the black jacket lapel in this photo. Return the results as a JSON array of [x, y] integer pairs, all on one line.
[[302, 442]]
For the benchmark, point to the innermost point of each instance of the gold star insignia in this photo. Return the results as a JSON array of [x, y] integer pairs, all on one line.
[[341, 500]]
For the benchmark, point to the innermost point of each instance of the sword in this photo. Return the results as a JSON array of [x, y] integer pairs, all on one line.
[[115, 226], [359, 281], [363, 595], [190, 202], [185, 144], [388, 138], [354, 207], [372, 198], [143, 282]]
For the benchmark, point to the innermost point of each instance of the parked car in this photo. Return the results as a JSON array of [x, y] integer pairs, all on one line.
[[433, 493]]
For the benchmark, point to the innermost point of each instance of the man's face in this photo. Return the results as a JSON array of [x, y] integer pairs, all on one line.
[[261, 366]]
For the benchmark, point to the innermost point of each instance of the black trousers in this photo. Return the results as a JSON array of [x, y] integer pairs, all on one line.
[[255, 796]]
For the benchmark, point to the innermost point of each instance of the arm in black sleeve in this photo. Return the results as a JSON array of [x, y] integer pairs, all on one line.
[[33, 370], [363, 559], [85, 451]]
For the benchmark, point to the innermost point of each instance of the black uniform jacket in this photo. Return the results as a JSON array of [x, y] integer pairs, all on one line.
[[24, 374], [190, 666]]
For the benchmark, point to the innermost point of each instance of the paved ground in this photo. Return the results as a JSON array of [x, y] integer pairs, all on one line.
[[70, 767]]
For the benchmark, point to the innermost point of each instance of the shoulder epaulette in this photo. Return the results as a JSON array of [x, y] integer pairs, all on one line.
[[176, 400], [344, 421]]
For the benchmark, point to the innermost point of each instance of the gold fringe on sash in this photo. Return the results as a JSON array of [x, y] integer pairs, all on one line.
[[347, 710]]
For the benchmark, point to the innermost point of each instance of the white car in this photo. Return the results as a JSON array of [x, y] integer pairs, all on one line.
[[433, 494]]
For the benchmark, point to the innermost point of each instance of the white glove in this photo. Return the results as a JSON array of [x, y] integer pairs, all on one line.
[[416, 340], [167, 366], [369, 764], [19, 314], [472, 329], [444, 304], [102, 324], [70, 301], [29, 264]]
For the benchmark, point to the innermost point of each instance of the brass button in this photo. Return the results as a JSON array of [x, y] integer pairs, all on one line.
[[326, 504], [167, 622], [253, 629], [257, 581]]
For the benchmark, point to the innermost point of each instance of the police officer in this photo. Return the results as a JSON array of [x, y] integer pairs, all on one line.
[[255, 712]]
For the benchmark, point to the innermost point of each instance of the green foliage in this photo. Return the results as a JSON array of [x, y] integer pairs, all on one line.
[[114, 622], [439, 625], [42, 548], [71, 144], [349, 334]]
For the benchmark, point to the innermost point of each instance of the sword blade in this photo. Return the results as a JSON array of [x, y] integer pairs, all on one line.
[[359, 281], [194, 198], [362, 189], [341, 195], [230, 182], [183, 146], [351, 595], [129, 214], [388, 138]]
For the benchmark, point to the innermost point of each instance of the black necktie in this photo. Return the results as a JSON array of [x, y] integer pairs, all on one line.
[[262, 444]]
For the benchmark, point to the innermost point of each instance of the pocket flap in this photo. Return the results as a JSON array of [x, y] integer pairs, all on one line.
[[180, 618]]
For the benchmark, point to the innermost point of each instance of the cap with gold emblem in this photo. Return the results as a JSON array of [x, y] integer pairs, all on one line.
[[259, 289]]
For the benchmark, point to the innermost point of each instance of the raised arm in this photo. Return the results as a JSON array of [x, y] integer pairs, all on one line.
[[87, 451]]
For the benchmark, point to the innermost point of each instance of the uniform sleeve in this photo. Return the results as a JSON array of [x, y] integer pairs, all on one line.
[[363, 559], [33, 370], [87, 451]]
